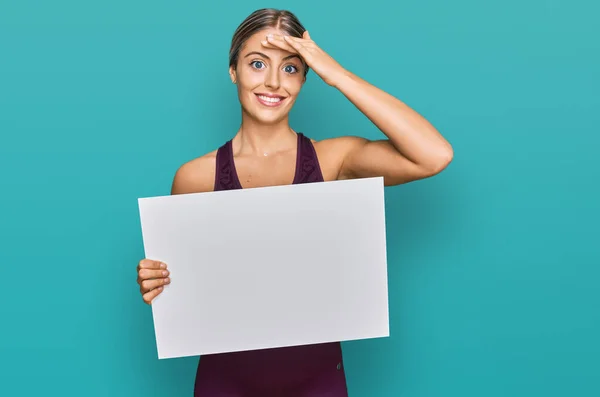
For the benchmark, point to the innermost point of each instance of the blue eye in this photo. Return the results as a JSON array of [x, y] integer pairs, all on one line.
[[293, 69], [254, 63]]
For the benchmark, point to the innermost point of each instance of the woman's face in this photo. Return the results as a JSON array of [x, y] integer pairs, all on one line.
[[268, 79]]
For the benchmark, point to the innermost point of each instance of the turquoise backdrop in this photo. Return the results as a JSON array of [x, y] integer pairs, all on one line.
[[494, 265]]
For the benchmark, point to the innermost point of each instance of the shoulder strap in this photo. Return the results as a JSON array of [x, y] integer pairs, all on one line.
[[225, 174], [307, 164]]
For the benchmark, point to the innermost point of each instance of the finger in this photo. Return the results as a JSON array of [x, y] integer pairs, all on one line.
[[276, 42], [146, 274], [306, 35], [149, 297], [148, 285], [304, 42], [282, 39], [302, 39], [299, 47], [151, 264]]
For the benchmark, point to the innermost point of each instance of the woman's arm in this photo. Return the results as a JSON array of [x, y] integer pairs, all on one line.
[[414, 148]]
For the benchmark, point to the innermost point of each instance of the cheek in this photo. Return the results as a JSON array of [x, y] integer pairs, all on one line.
[[249, 81], [246, 85], [293, 85]]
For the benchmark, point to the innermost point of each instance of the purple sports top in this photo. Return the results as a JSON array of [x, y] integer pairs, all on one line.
[[307, 165], [289, 368]]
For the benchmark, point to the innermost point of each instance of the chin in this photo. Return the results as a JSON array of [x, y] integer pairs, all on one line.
[[269, 119]]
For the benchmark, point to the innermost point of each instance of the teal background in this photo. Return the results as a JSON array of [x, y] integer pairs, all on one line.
[[493, 264]]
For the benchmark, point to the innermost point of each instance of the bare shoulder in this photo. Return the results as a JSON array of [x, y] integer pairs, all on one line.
[[340, 145], [196, 176], [332, 152]]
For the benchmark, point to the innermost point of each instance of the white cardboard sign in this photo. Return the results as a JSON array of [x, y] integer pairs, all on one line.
[[269, 267]]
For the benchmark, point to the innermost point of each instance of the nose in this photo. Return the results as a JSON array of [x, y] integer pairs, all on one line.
[[272, 78]]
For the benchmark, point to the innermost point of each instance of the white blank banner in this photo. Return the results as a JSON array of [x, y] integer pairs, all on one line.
[[269, 267]]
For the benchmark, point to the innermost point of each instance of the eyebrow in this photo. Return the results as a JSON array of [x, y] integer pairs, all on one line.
[[265, 56]]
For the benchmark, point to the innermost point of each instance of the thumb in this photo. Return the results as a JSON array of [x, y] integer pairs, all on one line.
[[306, 35]]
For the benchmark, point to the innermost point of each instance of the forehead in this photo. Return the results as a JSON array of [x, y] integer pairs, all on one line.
[[254, 42]]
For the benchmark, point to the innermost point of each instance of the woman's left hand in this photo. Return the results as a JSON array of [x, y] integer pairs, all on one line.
[[317, 59]]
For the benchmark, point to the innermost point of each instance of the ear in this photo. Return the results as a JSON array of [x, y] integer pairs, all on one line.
[[232, 74]]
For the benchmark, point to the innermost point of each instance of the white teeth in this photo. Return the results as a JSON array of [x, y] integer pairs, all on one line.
[[269, 99]]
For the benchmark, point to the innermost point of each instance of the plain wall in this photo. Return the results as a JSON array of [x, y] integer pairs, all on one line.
[[493, 264]]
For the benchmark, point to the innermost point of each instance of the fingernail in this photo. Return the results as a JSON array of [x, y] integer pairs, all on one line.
[[165, 273], [163, 266], [167, 281]]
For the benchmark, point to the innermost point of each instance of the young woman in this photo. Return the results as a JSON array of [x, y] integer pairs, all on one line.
[[270, 55]]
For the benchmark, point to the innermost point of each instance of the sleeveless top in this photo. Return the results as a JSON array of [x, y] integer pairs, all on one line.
[[284, 364], [307, 165]]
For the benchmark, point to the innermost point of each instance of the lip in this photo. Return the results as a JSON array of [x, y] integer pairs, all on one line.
[[270, 104]]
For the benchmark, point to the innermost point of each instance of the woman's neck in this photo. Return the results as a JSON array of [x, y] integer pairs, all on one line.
[[259, 139]]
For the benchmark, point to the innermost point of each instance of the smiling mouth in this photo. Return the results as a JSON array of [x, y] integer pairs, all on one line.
[[270, 99]]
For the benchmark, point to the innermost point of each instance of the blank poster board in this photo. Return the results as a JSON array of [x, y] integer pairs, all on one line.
[[268, 267]]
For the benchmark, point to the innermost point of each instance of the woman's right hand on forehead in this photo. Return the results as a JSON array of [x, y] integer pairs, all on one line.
[[152, 276]]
